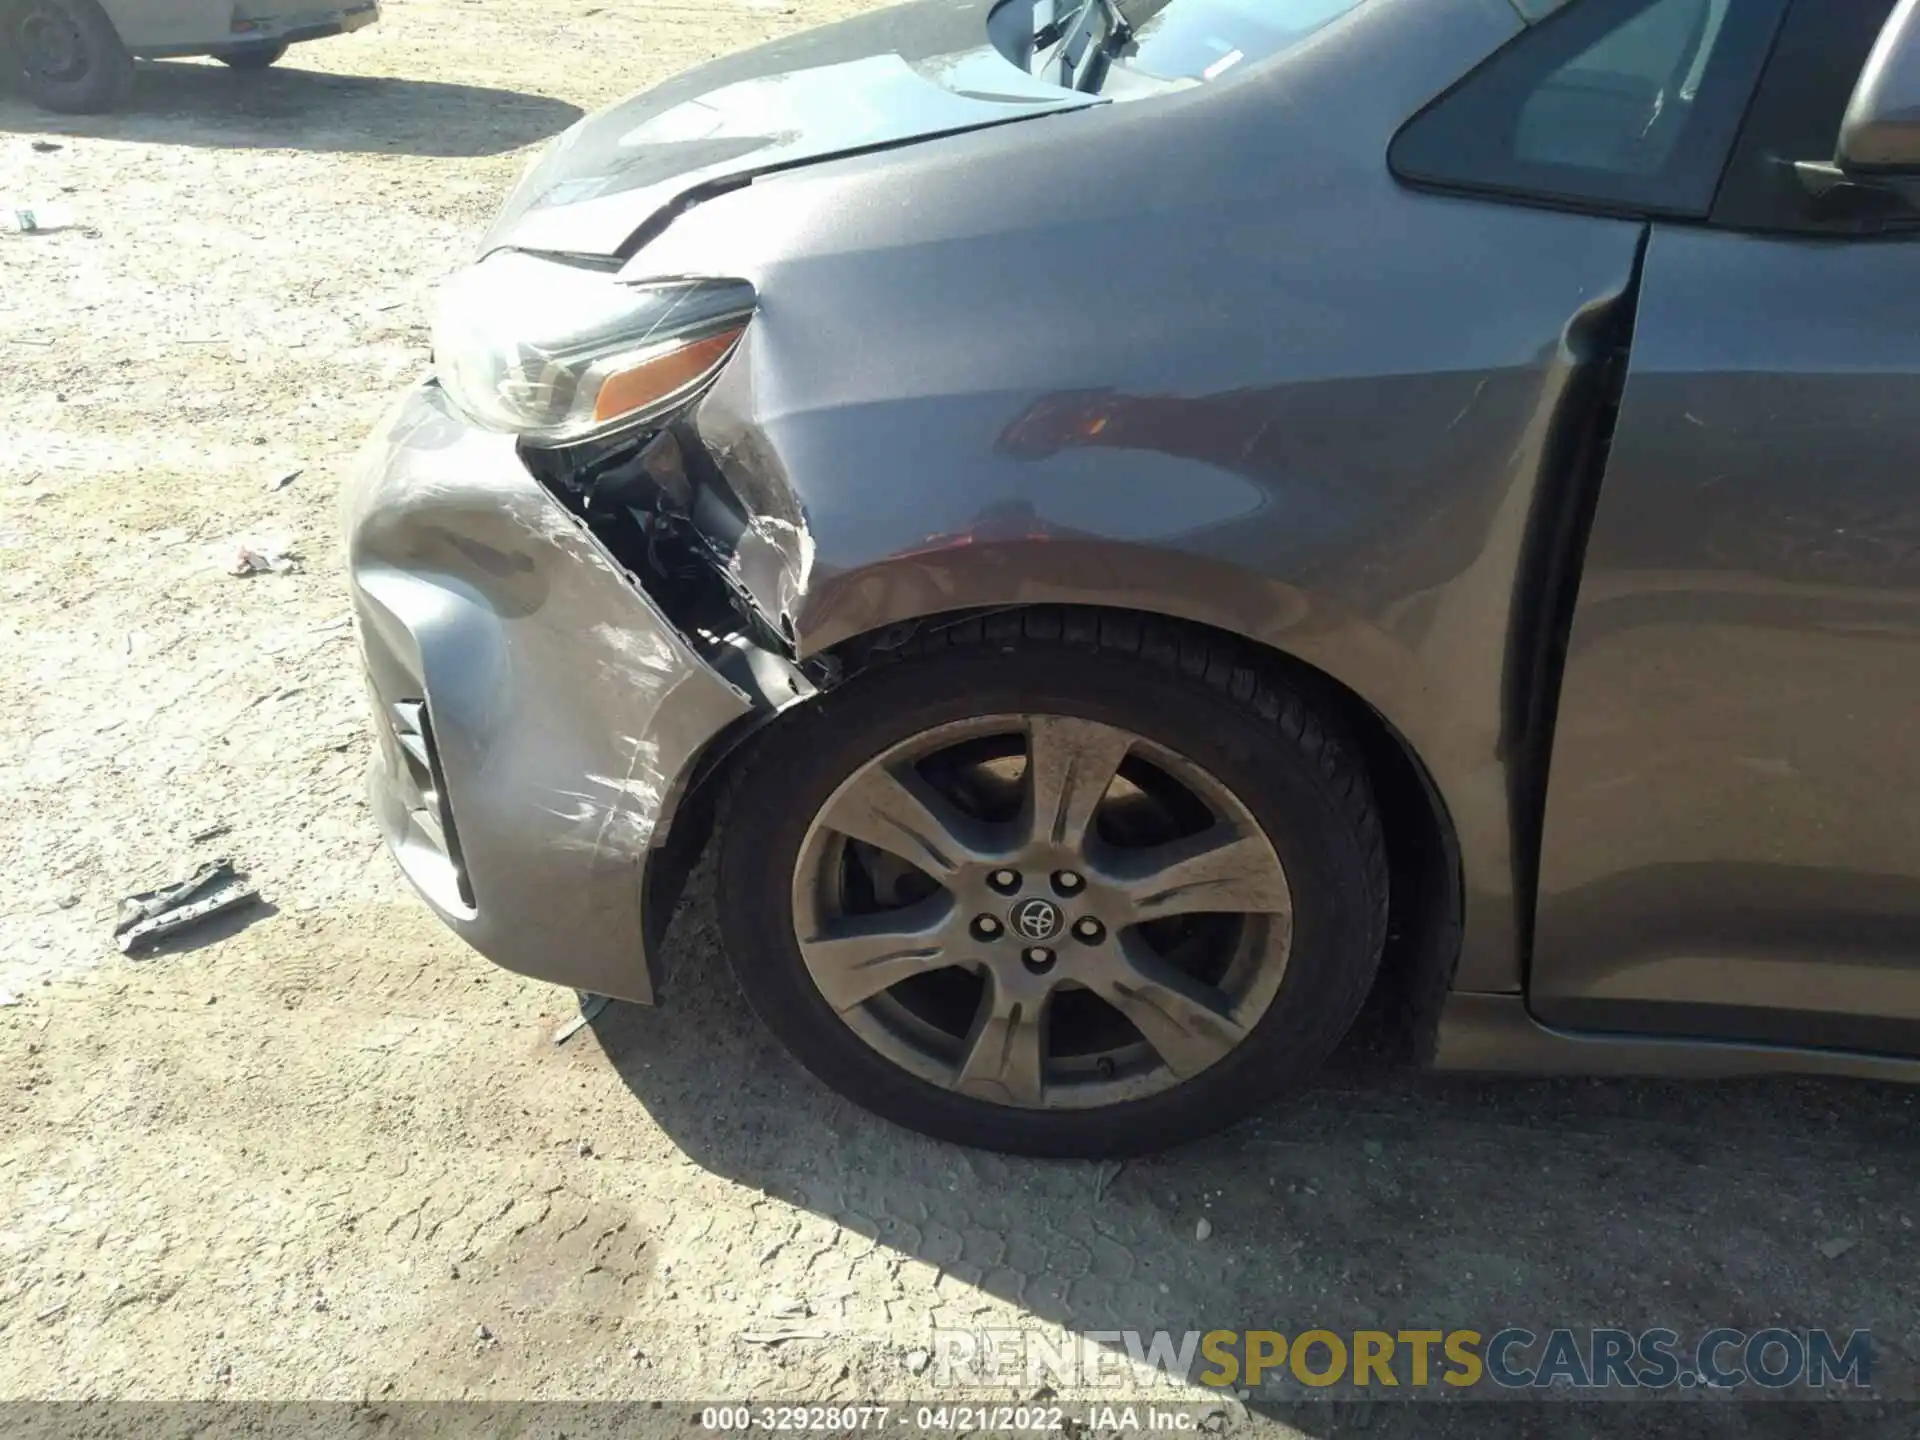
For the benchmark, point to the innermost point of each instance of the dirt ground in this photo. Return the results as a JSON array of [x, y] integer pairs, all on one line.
[[332, 1154]]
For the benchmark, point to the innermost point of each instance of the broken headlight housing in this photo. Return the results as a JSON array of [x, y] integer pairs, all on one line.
[[558, 350]]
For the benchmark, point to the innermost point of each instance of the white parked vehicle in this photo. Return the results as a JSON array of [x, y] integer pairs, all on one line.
[[77, 55]]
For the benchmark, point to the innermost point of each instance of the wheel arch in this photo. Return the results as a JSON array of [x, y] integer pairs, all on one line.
[[1426, 904]]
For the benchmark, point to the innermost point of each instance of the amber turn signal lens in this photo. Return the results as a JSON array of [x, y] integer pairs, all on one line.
[[662, 377]]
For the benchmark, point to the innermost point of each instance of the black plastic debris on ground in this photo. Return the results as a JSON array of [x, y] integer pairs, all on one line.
[[155, 915]]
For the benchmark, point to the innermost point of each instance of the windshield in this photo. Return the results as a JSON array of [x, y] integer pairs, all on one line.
[[1178, 41]]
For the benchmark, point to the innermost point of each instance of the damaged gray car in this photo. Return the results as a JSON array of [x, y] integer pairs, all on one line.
[[1133, 525]]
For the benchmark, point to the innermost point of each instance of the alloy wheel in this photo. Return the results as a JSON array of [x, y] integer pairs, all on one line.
[[49, 42], [1042, 911]]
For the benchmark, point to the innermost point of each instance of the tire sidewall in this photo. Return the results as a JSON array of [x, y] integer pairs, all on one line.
[[260, 55], [109, 73], [799, 763]]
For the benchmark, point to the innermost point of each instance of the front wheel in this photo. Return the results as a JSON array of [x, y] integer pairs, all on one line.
[[65, 55], [1059, 885], [257, 56]]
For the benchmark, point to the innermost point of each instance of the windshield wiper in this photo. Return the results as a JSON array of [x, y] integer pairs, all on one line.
[[1083, 60]]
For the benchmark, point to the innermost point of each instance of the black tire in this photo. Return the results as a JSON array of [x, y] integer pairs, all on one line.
[[65, 55], [253, 57], [1185, 690]]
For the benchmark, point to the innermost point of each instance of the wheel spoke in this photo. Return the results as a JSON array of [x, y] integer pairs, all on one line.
[[1070, 764], [1223, 870], [897, 811], [1188, 1023], [854, 959], [1006, 1049]]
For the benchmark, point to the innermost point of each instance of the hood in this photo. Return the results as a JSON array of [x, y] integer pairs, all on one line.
[[908, 73]]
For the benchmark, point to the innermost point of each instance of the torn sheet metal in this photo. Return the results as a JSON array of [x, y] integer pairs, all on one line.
[[152, 916], [773, 561]]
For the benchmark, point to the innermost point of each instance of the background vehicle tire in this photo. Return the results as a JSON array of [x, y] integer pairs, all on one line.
[[253, 57], [1124, 1018], [64, 55]]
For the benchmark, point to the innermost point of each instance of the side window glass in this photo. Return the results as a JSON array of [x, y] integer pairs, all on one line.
[[1622, 105]]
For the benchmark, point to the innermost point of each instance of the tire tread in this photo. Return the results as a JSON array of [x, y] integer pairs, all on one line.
[[1261, 690]]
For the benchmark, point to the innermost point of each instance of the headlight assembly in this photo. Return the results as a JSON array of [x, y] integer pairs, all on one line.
[[559, 351]]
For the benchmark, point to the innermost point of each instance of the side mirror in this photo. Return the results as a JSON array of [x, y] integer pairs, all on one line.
[[1881, 132]]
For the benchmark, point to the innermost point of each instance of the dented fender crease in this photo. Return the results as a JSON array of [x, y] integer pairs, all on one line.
[[933, 412]]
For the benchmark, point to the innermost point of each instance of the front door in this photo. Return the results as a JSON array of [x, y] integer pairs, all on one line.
[[1731, 843]]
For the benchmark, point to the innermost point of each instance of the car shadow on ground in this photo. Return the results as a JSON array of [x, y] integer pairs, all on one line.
[[202, 103], [1383, 1199]]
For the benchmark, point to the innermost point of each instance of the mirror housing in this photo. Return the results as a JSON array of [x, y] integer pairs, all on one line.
[[1881, 132]]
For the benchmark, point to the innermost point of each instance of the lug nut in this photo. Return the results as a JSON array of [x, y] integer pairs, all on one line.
[[985, 927], [1005, 881], [1089, 930], [1038, 959], [1068, 883]]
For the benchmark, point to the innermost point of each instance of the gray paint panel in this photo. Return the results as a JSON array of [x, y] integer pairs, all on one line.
[[1731, 817], [567, 712], [1494, 1033], [876, 80], [1198, 355]]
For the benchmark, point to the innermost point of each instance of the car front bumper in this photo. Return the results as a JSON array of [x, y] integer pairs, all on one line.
[[536, 715], [213, 29], [307, 24]]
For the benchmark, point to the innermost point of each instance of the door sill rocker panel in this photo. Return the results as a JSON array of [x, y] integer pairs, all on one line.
[[1495, 1033]]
